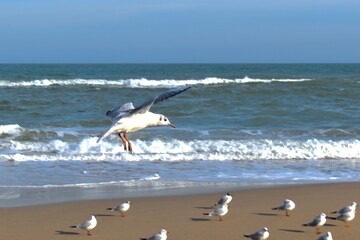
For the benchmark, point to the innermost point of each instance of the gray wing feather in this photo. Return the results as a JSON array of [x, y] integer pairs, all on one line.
[[159, 98], [119, 112]]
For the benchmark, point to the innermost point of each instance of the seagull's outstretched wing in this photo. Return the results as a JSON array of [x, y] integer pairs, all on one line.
[[117, 113], [145, 107]]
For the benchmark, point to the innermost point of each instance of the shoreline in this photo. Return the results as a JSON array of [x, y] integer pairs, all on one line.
[[22, 197], [182, 215]]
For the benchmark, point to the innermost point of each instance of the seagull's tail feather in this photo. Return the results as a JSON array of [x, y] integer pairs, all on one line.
[[305, 224], [275, 208], [108, 132], [143, 238], [246, 236], [73, 227], [332, 218], [334, 212]]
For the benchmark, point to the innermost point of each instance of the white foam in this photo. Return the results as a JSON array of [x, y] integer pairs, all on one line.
[[178, 150], [11, 129], [142, 82]]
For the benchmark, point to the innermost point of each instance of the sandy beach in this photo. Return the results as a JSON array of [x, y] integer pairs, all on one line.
[[182, 216]]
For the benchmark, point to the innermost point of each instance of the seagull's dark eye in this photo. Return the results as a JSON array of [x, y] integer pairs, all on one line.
[[165, 119]]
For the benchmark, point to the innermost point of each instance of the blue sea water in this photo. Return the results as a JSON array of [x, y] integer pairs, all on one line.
[[238, 125]]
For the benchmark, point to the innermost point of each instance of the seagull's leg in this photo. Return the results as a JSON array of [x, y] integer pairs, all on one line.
[[123, 141], [287, 213], [122, 214], [88, 233], [318, 230], [220, 218], [129, 143]]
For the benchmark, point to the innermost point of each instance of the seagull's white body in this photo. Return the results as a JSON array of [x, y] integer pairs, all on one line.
[[326, 236], [345, 217], [122, 208], [162, 235], [87, 225], [262, 234], [287, 206], [127, 118], [317, 222], [220, 211]]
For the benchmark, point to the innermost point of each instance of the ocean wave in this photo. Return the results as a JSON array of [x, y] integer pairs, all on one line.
[[10, 130], [142, 82], [179, 150]]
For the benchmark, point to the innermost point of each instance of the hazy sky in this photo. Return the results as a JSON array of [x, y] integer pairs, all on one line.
[[179, 31]]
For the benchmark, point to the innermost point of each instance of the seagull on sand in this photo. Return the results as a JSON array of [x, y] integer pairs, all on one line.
[[348, 208], [317, 222], [345, 217], [87, 225], [162, 235], [262, 234], [127, 118], [220, 211], [226, 199], [326, 236], [122, 208], [287, 206]]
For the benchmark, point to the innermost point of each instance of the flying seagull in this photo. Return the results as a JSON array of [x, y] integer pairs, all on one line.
[[128, 118]]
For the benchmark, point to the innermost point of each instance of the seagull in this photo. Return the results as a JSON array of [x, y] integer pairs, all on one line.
[[287, 206], [88, 225], [326, 236], [122, 208], [346, 217], [317, 222], [348, 208], [226, 199], [262, 234], [127, 118], [162, 235], [220, 211]]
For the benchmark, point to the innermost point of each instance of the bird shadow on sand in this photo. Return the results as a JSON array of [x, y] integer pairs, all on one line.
[[104, 215], [66, 233], [267, 214], [292, 230], [329, 225], [200, 219], [212, 207]]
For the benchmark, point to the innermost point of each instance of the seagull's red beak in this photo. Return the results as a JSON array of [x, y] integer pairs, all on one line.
[[171, 125]]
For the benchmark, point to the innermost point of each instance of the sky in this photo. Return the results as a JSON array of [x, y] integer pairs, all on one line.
[[180, 31]]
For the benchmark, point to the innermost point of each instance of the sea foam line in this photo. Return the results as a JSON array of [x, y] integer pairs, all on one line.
[[142, 82], [179, 150]]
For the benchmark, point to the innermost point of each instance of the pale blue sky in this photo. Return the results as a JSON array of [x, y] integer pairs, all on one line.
[[179, 31]]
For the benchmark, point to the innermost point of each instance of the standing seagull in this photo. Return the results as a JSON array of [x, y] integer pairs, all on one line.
[[88, 225], [348, 208], [128, 118], [122, 208], [226, 199], [262, 234], [345, 217], [317, 222], [162, 235], [220, 211], [326, 236], [287, 206]]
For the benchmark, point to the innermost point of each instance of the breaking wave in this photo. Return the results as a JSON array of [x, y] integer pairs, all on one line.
[[141, 83]]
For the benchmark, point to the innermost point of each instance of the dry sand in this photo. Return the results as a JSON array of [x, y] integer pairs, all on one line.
[[183, 216]]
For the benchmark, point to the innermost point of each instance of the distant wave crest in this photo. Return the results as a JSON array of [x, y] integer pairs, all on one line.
[[142, 82]]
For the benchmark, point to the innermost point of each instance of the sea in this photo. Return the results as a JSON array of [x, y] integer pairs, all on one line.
[[238, 126]]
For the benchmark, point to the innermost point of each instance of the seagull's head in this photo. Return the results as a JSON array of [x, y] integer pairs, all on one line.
[[164, 121]]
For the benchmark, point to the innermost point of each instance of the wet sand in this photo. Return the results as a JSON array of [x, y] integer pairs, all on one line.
[[183, 216]]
